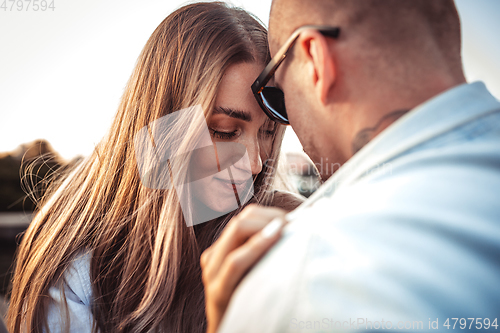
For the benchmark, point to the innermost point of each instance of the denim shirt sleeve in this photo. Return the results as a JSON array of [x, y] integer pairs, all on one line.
[[76, 292]]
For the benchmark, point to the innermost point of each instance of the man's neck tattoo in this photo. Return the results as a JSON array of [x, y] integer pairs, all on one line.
[[366, 135]]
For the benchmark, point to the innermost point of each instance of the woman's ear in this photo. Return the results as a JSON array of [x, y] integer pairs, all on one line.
[[320, 65]]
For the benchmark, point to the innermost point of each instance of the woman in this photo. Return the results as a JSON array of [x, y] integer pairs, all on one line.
[[111, 247]]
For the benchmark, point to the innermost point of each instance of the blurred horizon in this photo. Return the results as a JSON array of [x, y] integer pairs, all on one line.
[[63, 71]]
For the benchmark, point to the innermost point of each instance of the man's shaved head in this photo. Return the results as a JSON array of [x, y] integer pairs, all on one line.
[[390, 56], [397, 28]]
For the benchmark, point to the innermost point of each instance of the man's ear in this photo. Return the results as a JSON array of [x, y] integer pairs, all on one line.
[[320, 65]]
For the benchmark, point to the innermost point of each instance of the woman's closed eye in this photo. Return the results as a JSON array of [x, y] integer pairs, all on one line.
[[224, 132], [223, 135]]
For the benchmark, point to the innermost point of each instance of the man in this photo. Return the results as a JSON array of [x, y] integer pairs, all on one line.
[[406, 235]]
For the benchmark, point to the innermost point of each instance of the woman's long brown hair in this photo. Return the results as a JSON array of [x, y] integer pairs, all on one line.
[[145, 268]]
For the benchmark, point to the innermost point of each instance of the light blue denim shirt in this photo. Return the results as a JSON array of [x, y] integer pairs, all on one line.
[[407, 230], [76, 291]]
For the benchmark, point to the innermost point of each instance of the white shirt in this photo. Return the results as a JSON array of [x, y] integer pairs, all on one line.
[[406, 232]]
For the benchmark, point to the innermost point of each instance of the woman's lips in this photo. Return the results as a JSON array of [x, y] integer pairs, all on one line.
[[236, 185], [233, 181]]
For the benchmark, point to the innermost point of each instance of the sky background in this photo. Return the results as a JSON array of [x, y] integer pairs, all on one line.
[[63, 71]]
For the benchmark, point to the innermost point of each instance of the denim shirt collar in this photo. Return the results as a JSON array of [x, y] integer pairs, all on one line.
[[442, 113]]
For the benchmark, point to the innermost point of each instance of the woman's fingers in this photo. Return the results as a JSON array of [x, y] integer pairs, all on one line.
[[239, 261], [250, 221], [244, 241]]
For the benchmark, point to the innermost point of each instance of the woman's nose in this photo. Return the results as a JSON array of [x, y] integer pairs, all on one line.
[[254, 156]]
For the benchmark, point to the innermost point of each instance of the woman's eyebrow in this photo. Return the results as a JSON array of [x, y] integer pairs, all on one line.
[[238, 114]]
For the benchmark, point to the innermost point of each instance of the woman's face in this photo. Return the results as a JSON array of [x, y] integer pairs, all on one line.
[[237, 118]]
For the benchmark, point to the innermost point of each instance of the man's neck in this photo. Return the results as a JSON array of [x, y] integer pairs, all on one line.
[[366, 135], [376, 116]]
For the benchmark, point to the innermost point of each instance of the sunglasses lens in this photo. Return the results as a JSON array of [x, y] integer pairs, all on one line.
[[274, 100]]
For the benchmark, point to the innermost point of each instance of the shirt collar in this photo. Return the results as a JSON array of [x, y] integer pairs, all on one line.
[[442, 113]]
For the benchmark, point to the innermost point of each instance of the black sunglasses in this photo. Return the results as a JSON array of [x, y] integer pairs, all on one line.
[[272, 99]]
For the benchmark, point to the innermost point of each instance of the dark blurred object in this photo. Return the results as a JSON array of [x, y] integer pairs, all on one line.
[[302, 173], [7, 252], [3, 329], [12, 225], [26, 170]]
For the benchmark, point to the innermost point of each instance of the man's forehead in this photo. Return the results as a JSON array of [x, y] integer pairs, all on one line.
[[276, 26], [284, 18], [274, 41]]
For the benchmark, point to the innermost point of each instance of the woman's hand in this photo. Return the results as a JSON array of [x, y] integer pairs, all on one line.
[[242, 243]]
